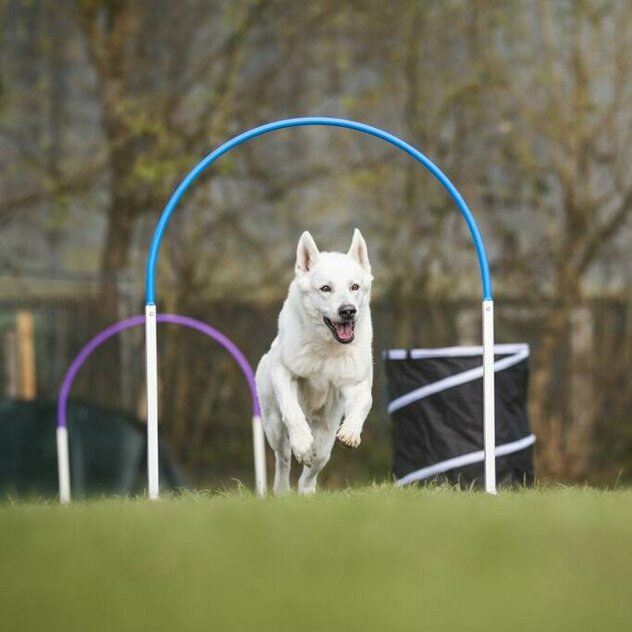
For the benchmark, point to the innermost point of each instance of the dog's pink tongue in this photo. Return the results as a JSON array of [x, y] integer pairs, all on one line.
[[344, 330]]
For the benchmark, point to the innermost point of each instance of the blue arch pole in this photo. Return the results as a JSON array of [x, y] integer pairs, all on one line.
[[191, 177], [304, 122]]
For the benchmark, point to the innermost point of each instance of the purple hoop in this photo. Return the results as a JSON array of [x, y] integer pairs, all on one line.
[[136, 321]]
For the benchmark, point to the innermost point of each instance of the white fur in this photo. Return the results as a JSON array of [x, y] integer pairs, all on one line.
[[309, 381]]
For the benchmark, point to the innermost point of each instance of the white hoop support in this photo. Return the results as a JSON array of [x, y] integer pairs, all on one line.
[[152, 402], [259, 443], [489, 415], [63, 464]]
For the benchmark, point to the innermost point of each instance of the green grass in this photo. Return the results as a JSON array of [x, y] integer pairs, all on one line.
[[370, 559]]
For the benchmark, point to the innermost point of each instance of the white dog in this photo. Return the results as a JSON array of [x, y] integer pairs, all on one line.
[[319, 368]]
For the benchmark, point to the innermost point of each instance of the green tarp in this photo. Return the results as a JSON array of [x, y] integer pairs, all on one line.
[[108, 452]]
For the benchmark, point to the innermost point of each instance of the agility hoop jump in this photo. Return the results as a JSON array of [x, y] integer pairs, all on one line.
[[63, 461], [151, 315]]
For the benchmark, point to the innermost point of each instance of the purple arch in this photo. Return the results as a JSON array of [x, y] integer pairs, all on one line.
[[136, 321]]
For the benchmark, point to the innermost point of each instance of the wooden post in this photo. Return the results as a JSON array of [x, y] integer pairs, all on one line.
[[26, 354]]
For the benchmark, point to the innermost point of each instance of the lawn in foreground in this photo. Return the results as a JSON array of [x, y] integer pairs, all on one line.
[[373, 559]]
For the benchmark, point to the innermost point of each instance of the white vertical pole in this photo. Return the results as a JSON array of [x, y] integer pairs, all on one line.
[[151, 349], [63, 465], [489, 420], [258, 441]]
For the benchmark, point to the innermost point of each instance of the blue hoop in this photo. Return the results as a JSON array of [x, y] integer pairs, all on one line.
[[301, 122]]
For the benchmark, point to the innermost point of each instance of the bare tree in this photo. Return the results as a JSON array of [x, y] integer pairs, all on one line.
[[562, 75]]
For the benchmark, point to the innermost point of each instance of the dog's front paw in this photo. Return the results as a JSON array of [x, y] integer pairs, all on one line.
[[302, 444], [349, 437]]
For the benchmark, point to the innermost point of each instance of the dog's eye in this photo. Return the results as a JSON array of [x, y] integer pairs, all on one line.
[[355, 287], [325, 288]]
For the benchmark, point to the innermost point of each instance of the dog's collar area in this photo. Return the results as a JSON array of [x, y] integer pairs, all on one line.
[[343, 331]]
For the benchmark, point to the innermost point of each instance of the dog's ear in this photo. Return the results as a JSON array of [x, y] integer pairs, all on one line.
[[358, 251], [306, 254]]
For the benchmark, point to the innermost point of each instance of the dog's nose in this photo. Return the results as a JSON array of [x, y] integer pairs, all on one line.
[[347, 311]]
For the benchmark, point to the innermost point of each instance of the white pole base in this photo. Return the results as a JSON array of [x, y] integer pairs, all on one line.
[[259, 445], [489, 416], [151, 350], [63, 464]]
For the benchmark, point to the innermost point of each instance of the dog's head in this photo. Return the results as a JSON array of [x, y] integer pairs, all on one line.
[[335, 287]]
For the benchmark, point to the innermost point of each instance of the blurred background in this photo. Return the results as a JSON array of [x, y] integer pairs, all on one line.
[[106, 104]]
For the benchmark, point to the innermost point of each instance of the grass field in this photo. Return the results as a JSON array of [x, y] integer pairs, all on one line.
[[371, 559]]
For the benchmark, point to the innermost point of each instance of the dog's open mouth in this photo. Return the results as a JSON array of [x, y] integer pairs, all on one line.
[[343, 332]]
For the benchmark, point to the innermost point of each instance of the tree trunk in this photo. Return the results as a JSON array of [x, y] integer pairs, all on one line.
[[115, 255], [111, 28], [548, 426]]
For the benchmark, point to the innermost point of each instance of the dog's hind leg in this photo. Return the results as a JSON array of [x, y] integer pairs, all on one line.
[[283, 463], [324, 439], [274, 428], [279, 441]]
